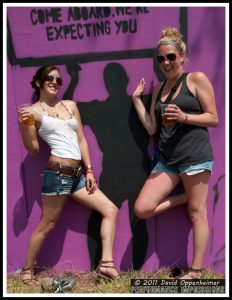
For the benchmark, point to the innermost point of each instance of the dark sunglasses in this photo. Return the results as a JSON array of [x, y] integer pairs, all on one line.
[[170, 57], [51, 78]]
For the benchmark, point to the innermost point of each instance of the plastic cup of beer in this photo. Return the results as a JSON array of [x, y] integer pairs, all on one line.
[[165, 120], [30, 120]]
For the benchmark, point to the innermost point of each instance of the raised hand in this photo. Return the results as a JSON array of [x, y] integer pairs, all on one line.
[[140, 88]]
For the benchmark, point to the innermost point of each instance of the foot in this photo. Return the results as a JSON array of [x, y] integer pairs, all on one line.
[[28, 276], [191, 274], [107, 270]]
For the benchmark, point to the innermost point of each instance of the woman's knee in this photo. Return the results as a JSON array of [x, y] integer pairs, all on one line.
[[196, 214], [46, 227], [141, 211], [111, 211]]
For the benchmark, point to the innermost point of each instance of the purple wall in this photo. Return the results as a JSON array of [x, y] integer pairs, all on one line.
[[170, 235]]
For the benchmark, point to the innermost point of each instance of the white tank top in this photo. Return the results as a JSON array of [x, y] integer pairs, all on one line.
[[61, 135]]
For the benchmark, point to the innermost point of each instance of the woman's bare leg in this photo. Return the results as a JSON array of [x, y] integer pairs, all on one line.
[[154, 197], [99, 202], [52, 207], [196, 187]]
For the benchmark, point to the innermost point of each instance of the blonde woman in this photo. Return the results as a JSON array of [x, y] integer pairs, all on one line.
[[184, 149]]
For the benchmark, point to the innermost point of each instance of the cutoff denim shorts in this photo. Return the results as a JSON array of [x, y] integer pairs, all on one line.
[[189, 170], [55, 183]]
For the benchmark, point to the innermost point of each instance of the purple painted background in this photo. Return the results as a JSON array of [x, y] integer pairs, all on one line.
[[170, 235]]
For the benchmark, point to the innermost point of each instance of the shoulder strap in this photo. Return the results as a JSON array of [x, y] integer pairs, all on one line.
[[67, 107], [160, 91], [173, 89], [38, 112]]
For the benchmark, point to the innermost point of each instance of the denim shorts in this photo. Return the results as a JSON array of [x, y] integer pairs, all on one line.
[[55, 183], [189, 170]]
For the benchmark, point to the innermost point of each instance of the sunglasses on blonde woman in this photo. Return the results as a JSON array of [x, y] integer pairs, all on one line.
[[51, 78], [170, 57]]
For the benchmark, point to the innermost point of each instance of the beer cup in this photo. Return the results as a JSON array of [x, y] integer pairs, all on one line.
[[30, 120], [165, 121]]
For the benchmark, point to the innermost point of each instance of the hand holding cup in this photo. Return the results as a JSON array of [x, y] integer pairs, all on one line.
[[26, 114], [165, 117]]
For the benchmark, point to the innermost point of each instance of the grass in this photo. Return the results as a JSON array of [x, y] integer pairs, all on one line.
[[88, 283]]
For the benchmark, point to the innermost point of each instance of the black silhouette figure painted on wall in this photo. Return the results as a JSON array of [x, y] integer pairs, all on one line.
[[73, 70], [126, 163]]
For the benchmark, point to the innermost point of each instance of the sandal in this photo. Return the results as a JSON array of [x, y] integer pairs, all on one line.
[[28, 275], [192, 273], [106, 275]]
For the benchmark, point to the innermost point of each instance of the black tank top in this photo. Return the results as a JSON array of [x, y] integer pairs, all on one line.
[[182, 144]]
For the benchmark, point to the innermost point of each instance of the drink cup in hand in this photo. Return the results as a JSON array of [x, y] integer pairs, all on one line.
[[164, 112], [27, 114]]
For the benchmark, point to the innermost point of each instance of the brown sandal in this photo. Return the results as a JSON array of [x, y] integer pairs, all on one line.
[[192, 273], [29, 273], [107, 275]]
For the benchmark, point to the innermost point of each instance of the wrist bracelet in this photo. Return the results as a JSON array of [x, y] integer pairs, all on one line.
[[186, 119], [88, 167], [89, 171]]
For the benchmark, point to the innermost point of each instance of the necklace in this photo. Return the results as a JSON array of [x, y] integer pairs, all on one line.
[[54, 114]]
